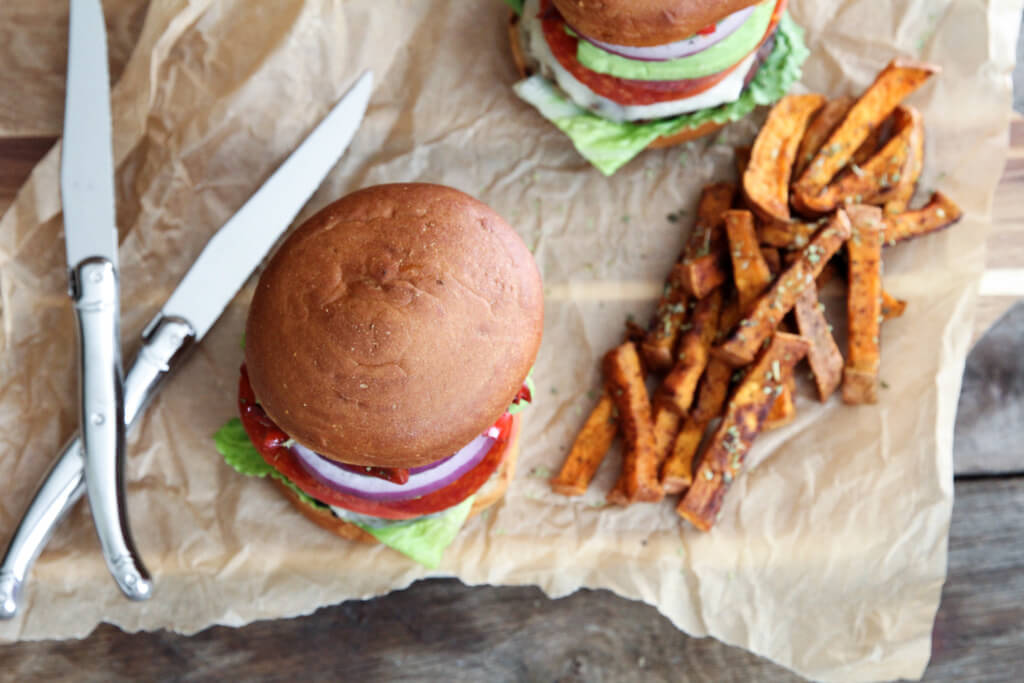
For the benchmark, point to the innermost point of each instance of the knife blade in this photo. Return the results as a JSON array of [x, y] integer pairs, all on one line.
[[174, 331], [90, 237]]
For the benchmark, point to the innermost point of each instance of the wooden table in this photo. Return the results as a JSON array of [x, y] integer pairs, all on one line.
[[440, 629]]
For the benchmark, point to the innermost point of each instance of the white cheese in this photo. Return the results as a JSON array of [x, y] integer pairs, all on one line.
[[727, 90]]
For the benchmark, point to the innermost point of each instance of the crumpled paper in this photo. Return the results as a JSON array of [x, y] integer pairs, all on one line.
[[831, 552]]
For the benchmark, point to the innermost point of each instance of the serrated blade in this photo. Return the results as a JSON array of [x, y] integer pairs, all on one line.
[[238, 247], [87, 160]]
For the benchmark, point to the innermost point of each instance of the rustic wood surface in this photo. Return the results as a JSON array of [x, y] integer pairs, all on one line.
[[442, 630]]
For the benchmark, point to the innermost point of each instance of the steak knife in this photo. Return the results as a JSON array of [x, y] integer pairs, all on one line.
[[216, 276], [90, 239]]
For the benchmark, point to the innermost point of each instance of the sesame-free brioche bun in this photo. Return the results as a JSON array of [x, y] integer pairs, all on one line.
[[394, 326], [489, 494], [643, 23]]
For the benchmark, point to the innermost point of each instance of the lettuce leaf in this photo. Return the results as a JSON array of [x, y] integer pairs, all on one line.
[[609, 145], [516, 5], [233, 443], [423, 539]]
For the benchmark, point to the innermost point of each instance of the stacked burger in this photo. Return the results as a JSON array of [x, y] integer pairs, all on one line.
[[620, 75], [387, 353]]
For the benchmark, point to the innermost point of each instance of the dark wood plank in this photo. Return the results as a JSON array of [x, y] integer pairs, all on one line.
[[979, 630], [18, 156], [442, 629], [990, 417]]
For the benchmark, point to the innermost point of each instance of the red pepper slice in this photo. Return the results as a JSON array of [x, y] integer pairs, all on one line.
[[269, 441], [627, 91]]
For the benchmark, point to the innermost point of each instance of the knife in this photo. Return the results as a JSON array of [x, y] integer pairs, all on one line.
[[90, 238], [220, 271]]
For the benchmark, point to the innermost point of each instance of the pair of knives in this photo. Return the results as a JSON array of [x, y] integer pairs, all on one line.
[[92, 461]]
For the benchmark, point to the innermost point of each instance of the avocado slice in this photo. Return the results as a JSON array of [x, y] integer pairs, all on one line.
[[716, 58], [608, 145]]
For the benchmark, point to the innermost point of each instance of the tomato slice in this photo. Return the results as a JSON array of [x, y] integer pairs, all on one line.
[[626, 91], [269, 440]]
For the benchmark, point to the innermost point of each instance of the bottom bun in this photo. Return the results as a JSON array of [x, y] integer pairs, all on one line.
[[489, 494], [685, 135]]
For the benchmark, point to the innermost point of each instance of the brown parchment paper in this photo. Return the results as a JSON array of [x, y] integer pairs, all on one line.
[[831, 552]]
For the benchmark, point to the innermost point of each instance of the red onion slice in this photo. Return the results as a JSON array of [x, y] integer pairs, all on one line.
[[678, 49], [422, 480]]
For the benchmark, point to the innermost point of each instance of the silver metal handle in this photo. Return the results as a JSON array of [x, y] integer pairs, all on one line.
[[94, 293], [63, 485], [165, 343]]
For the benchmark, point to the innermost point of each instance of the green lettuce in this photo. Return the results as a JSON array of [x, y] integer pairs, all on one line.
[[609, 145], [714, 59], [233, 443], [520, 406], [516, 5], [423, 539]]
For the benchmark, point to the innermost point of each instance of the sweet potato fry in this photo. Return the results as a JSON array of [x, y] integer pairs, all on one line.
[[634, 332], [677, 389], [705, 264], [700, 269], [940, 212], [766, 179], [749, 270], [864, 305], [784, 409], [589, 449], [891, 306], [703, 274], [714, 388], [663, 330], [715, 200], [864, 184], [617, 496], [731, 316], [897, 80], [666, 424], [769, 309], [744, 418], [828, 273], [871, 143], [742, 159], [820, 127], [897, 189], [624, 378], [772, 260], [824, 358], [792, 235], [677, 470]]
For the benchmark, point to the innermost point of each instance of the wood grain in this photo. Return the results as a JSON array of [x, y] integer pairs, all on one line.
[[1006, 241], [443, 629]]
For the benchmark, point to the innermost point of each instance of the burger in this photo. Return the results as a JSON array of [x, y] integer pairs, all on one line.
[[388, 348], [618, 76]]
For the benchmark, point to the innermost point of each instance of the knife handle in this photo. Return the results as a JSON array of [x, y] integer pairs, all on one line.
[[166, 340], [94, 292], [61, 487]]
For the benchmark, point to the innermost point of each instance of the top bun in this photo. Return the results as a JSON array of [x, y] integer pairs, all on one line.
[[394, 326], [643, 23]]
